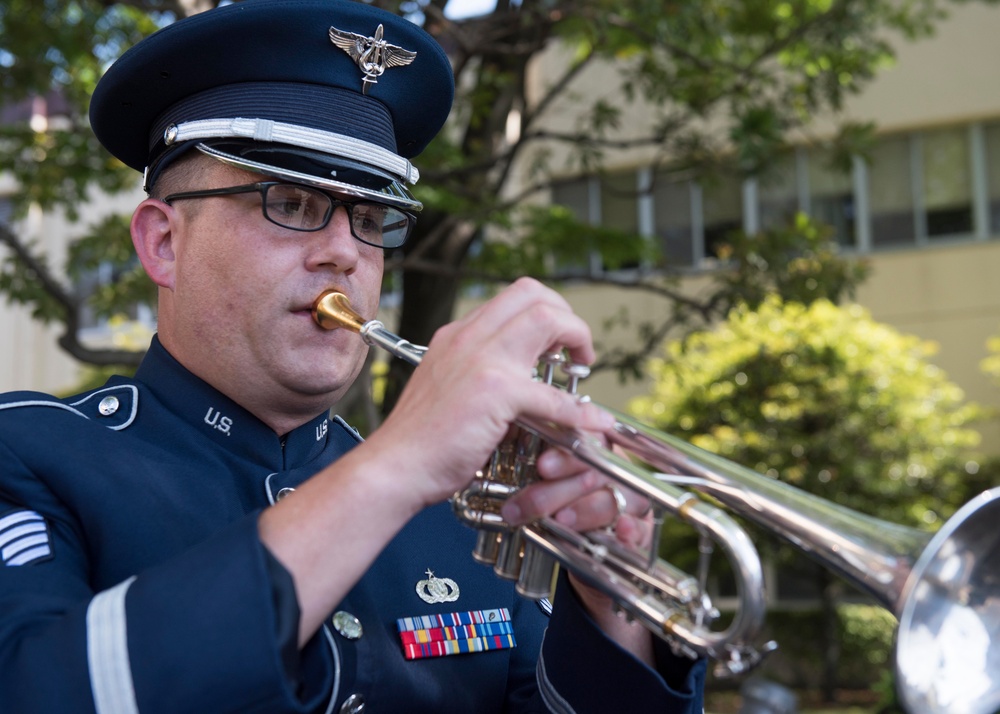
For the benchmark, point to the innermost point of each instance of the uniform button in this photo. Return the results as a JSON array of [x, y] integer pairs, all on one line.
[[347, 625], [108, 406], [354, 704], [283, 492]]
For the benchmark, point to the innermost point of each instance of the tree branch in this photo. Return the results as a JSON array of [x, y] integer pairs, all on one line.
[[70, 306], [23, 255]]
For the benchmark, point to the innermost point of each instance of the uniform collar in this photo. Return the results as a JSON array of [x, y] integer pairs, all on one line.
[[224, 421]]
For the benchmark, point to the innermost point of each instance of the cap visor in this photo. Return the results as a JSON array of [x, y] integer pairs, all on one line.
[[313, 168]]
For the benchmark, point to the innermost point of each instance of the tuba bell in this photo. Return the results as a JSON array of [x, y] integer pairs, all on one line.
[[943, 588]]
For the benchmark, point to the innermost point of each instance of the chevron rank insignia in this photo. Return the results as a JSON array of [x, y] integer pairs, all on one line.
[[24, 538]]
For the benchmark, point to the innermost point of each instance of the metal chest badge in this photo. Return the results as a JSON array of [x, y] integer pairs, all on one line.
[[373, 55], [435, 590]]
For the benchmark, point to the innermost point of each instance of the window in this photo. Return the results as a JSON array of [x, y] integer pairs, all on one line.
[[619, 197], [891, 194], [778, 194], [947, 182], [611, 201], [831, 197], [93, 325], [993, 176], [722, 209], [575, 195], [672, 222], [914, 189]]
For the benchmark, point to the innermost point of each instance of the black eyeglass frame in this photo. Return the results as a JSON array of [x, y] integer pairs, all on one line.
[[262, 187]]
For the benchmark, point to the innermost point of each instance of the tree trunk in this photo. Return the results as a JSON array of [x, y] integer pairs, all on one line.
[[832, 590], [429, 300]]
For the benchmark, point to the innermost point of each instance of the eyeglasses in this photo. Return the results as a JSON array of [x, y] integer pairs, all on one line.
[[303, 208]]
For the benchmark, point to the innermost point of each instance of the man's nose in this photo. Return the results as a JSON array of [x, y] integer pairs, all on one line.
[[335, 246]]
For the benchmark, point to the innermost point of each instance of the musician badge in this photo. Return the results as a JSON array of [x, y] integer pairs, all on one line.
[[373, 55], [434, 589]]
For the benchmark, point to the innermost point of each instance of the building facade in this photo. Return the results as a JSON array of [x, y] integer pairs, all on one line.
[[924, 210]]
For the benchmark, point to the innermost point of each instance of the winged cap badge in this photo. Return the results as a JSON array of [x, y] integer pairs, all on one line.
[[373, 55]]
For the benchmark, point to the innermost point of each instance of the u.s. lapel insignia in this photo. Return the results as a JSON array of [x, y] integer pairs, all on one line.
[[373, 55], [434, 590]]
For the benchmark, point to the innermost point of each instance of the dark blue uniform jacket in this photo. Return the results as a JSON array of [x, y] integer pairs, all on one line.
[[133, 578]]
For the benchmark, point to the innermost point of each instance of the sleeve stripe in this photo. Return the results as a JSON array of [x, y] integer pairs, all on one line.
[[553, 700], [12, 519], [107, 652], [20, 531], [31, 555]]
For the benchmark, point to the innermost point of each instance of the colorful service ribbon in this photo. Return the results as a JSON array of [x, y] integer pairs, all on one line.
[[456, 633]]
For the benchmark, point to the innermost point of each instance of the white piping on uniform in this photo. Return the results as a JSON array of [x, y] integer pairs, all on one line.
[[135, 402], [107, 652], [553, 700], [41, 403], [69, 407]]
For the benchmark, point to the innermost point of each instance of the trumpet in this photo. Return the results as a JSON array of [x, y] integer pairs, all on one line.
[[943, 588]]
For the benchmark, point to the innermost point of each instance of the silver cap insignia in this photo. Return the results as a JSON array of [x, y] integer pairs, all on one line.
[[435, 590], [373, 55]]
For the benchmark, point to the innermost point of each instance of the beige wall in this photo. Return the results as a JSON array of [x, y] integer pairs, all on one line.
[[950, 295], [30, 357], [953, 76]]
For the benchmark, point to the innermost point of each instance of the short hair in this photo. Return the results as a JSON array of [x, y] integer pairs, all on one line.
[[189, 172]]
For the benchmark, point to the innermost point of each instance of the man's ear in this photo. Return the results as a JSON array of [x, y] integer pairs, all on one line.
[[152, 236]]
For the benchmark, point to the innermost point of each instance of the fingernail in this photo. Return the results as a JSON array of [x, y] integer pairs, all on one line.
[[566, 516], [550, 460], [511, 513]]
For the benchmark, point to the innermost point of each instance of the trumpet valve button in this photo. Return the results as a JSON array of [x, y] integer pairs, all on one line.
[[575, 372]]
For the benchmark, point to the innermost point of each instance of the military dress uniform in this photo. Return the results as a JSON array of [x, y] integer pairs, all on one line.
[[133, 578], [135, 581]]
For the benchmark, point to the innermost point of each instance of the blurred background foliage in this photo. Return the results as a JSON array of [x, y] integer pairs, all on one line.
[[771, 367]]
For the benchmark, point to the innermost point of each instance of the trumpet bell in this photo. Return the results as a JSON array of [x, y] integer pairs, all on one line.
[[944, 589], [948, 640]]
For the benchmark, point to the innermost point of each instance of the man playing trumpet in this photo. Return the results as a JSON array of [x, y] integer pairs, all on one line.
[[205, 537]]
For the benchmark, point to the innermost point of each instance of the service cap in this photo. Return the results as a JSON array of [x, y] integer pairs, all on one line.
[[333, 93]]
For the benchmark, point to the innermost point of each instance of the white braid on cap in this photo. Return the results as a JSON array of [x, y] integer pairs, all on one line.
[[348, 147]]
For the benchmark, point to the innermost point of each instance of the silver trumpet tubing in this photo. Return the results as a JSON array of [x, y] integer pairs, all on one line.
[[943, 588]]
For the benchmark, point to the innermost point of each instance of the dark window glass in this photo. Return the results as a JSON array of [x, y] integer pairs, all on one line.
[[831, 197], [672, 206], [947, 182], [778, 195], [722, 209], [993, 175], [890, 190]]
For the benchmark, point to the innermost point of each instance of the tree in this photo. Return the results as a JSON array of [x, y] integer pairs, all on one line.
[[828, 400], [723, 84]]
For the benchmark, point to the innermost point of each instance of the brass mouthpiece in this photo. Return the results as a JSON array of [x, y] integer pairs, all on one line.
[[333, 309]]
